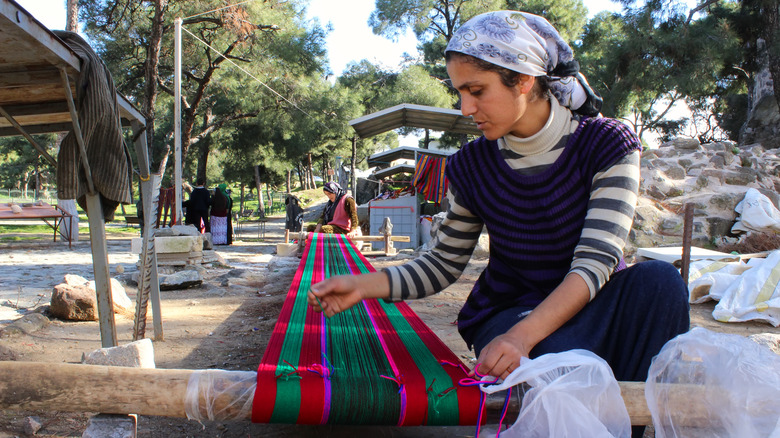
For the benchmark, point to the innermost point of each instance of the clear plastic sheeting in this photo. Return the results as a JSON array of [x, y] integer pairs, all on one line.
[[736, 382], [573, 394], [219, 395]]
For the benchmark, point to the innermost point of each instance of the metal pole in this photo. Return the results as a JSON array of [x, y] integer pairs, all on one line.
[[177, 117]]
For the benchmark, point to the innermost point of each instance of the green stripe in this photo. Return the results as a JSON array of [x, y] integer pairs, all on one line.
[[288, 390]]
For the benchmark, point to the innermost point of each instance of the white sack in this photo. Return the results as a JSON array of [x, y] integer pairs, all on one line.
[[757, 213]]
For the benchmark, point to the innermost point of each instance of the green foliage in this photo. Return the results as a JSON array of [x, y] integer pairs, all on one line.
[[19, 162]]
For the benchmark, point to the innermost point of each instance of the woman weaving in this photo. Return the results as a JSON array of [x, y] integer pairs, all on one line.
[[556, 187], [340, 213]]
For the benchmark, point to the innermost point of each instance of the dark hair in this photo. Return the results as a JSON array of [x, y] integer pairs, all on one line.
[[200, 182], [508, 77]]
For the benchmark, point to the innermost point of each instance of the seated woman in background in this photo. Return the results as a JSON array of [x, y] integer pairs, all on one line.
[[340, 213]]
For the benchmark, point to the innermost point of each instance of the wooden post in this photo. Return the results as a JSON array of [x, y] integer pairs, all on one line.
[[148, 283], [286, 235], [26, 386], [97, 230]]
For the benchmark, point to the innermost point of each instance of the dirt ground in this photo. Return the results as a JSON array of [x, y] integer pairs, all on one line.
[[223, 324]]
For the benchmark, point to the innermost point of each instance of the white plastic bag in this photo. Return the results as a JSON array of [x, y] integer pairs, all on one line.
[[755, 294], [573, 394], [739, 382]]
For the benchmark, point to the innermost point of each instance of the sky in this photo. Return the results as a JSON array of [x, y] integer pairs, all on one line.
[[350, 40]]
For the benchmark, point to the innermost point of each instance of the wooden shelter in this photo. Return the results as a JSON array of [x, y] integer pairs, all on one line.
[[38, 77]]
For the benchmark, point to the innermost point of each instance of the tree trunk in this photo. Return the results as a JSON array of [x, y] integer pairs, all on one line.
[[771, 15], [427, 139], [241, 199], [310, 169], [300, 176], [151, 75], [259, 185], [204, 147], [288, 181], [72, 16]]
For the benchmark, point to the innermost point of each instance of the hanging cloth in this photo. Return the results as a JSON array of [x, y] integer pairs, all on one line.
[[429, 179]]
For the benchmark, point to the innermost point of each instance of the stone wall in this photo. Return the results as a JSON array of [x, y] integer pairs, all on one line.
[[714, 177]]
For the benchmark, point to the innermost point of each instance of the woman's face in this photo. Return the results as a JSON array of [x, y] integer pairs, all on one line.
[[331, 196], [496, 109]]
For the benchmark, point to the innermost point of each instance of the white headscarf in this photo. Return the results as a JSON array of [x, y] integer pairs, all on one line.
[[528, 44]]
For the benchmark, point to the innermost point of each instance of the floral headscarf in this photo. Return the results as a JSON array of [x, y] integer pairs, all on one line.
[[528, 44]]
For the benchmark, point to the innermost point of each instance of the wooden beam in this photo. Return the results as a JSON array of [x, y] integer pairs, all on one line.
[[41, 150], [28, 78], [31, 39], [381, 238], [38, 129], [27, 386]]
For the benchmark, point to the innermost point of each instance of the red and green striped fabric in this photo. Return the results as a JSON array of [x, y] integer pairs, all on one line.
[[429, 178], [376, 363]]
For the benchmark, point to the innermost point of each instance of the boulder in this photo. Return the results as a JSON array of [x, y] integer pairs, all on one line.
[[73, 303]]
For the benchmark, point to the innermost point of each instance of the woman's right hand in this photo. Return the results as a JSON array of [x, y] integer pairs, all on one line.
[[339, 293]]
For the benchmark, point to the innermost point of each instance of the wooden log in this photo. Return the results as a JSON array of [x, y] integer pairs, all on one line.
[[220, 395]]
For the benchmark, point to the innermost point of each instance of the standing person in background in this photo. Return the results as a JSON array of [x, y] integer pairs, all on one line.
[[556, 185], [198, 207], [221, 216], [340, 213]]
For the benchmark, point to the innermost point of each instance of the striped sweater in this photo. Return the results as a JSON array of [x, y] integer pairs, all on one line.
[[566, 205]]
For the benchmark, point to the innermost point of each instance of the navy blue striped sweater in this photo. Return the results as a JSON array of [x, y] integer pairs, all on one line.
[[534, 221]]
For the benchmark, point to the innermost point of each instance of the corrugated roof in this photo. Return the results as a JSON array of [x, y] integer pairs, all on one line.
[[385, 158], [415, 116]]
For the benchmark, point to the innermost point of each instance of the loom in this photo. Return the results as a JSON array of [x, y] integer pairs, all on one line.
[[376, 364], [378, 360]]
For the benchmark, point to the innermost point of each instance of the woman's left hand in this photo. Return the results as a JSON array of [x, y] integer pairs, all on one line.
[[352, 233], [501, 356]]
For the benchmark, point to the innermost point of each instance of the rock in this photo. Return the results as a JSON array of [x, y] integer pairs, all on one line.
[[75, 280], [6, 354], [139, 354], [32, 425], [686, 143], [31, 323], [180, 280], [74, 303], [122, 303]]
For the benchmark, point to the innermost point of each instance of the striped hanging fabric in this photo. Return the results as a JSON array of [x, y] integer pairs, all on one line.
[[376, 363], [429, 179]]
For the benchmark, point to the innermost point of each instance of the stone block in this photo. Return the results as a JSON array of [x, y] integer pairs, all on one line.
[[286, 249], [138, 354], [111, 426], [136, 245], [180, 244]]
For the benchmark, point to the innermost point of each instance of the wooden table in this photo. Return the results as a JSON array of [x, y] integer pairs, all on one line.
[[52, 215]]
